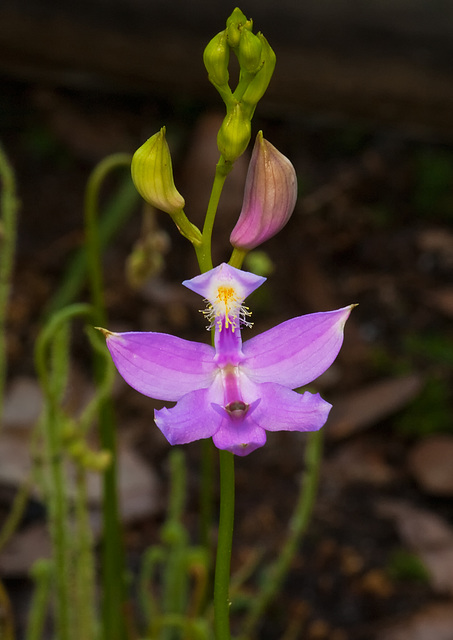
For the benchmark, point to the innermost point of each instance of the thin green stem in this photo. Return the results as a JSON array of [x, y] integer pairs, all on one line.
[[297, 527], [203, 250], [51, 345], [42, 573], [8, 231], [174, 536], [224, 546], [115, 213], [92, 226], [204, 256], [16, 512], [84, 567], [237, 257], [113, 574]]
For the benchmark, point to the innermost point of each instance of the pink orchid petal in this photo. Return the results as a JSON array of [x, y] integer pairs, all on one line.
[[162, 366], [297, 351], [193, 418], [207, 284], [241, 437], [282, 409]]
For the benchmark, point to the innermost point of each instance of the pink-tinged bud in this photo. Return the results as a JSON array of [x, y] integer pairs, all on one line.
[[269, 197]]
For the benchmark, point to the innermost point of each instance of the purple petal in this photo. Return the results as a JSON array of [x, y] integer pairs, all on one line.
[[193, 417], [207, 284], [281, 409], [162, 366], [228, 347], [239, 436], [297, 351]]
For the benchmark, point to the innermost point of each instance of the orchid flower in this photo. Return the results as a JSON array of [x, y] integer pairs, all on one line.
[[233, 391]]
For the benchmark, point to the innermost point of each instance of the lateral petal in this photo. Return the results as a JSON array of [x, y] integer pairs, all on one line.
[[297, 351], [282, 409], [160, 365], [193, 418]]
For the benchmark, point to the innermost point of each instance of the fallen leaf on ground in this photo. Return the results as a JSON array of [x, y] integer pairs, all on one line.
[[434, 622], [23, 549], [431, 463], [441, 300], [368, 406], [360, 461], [23, 403], [429, 536]]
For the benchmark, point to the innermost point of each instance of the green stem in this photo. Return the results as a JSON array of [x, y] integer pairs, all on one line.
[[237, 257], [113, 578], [203, 250], [16, 513], [84, 569], [115, 213], [298, 525], [8, 231], [174, 536], [204, 256], [42, 573], [224, 546], [92, 226], [52, 336]]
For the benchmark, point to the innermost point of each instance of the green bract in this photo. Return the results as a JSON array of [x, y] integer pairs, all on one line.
[[152, 174]]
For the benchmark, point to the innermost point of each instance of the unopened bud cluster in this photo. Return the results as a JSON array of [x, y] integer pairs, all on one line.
[[271, 186], [256, 63]]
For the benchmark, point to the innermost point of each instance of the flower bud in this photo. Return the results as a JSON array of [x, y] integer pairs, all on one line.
[[269, 197], [216, 57], [234, 134], [153, 175], [258, 85], [249, 52], [234, 25]]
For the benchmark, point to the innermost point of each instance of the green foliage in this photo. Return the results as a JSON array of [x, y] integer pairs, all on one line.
[[183, 570], [434, 348], [405, 565], [429, 413], [433, 195], [8, 230], [259, 262]]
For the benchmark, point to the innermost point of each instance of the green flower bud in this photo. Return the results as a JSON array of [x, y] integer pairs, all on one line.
[[97, 461], [249, 52], [77, 449], [216, 57], [153, 175], [258, 85], [234, 134], [234, 25]]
